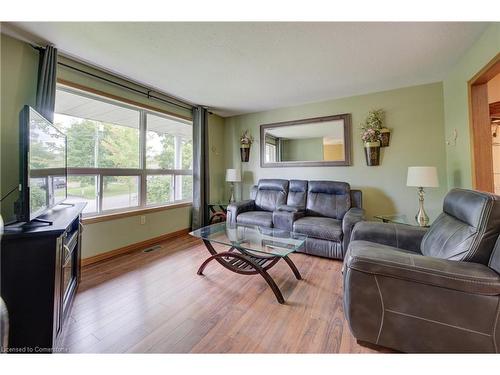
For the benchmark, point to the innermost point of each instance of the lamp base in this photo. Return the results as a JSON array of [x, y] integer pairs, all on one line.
[[231, 199], [421, 216]]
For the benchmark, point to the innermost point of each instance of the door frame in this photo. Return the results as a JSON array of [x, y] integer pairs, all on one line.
[[479, 126]]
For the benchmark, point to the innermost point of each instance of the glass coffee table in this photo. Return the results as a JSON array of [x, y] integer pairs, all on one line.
[[251, 249]]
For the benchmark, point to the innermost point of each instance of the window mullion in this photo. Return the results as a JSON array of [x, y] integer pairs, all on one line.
[[100, 192], [142, 143], [177, 165]]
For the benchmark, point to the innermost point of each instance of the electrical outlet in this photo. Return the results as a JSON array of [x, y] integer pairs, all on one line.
[[143, 219]]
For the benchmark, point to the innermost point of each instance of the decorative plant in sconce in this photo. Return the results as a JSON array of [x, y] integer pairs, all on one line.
[[370, 135], [374, 135], [375, 119], [246, 141]]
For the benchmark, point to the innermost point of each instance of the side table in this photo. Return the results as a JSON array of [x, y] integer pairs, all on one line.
[[405, 219]]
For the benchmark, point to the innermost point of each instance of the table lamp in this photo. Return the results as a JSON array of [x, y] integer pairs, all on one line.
[[421, 177], [232, 176]]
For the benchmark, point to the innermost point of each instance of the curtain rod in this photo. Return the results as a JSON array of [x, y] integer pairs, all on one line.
[[147, 94]]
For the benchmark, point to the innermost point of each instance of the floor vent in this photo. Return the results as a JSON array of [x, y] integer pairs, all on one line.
[[152, 248]]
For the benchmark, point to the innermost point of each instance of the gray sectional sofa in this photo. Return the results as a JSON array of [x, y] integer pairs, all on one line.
[[325, 211]]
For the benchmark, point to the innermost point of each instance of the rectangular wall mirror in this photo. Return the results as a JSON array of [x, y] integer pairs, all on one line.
[[320, 141]]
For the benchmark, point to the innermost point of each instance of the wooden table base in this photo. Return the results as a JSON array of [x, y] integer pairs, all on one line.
[[245, 263]]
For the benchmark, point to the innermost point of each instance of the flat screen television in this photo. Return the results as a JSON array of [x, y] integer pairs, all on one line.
[[43, 170]]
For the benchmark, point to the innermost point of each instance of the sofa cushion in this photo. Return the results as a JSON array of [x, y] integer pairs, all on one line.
[[271, 193], [319, 227], [297, 193], [260, 218], [328, 198], [356, 198], [253, 192]]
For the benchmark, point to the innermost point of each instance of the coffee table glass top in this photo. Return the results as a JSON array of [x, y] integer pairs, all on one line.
[[407, 219], [270, 241]]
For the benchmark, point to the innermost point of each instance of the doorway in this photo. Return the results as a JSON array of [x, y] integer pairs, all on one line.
[[484, 110]]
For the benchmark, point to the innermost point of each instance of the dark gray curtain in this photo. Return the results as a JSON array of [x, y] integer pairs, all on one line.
[[46, 88], [200, 167]]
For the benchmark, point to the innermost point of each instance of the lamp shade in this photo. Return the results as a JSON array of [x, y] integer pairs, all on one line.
[[422, 177], [233, 175]]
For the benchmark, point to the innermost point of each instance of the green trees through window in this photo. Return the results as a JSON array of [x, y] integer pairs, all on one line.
[[107, 168], [93, 144]]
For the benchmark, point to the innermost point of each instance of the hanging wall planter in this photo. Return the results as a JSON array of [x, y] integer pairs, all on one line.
[[372, 153], [246, 141], [385, 137], [245, 153], [374, 136]]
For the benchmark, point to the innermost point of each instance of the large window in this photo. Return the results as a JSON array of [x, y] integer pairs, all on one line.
[[122, 157]]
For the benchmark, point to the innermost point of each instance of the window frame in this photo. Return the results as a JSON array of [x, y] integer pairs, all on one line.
[[141, 172]]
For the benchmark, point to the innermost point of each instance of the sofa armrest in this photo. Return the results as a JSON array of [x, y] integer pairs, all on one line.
[[451, 274], [290, 208], [353, 216], [397, 235], [285, 219], [236, 208]]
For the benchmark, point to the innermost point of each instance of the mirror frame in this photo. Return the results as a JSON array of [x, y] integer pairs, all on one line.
[[346, 117]]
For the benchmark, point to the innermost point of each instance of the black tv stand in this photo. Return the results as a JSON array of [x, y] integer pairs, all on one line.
[[39, 276]]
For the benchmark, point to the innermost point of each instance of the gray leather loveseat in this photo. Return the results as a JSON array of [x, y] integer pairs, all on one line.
[[325, 211], [435, 290]]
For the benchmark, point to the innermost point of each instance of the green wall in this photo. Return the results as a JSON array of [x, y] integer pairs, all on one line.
[[456, 109], [19, 70], [415, 115], [109, 235]]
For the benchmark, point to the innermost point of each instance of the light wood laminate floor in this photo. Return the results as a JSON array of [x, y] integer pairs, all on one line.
[[155, 302]]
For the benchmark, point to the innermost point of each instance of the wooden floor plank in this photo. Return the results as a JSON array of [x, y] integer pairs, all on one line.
[[155, 302]]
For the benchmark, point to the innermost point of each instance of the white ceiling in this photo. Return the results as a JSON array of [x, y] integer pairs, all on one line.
[[236, 68]]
